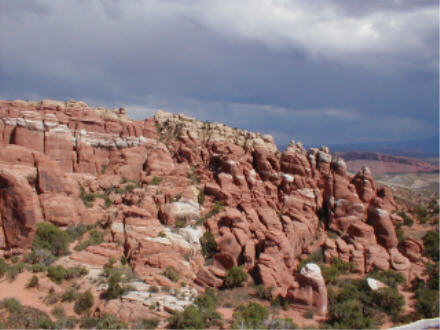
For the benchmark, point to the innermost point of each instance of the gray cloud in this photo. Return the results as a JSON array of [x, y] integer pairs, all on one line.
[[321, 73]]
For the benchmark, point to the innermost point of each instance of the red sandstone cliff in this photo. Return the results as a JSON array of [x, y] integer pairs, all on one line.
[[277, 206]]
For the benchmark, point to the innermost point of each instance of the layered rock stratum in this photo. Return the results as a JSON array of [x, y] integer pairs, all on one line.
[[166, 180]]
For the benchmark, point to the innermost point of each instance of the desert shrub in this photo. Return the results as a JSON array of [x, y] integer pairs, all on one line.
[[153, 289], [427, 302], [388, 300], [75, 272], [3, 267], [407, 221], [71, 294], [180, 223], [76, 232], [105, 321], [12, 304], [124, 260], [52, 297], [283, 324], [193, 176], [87, 198], [209, 246], [56, 273], [51, 238], [235, 277], [24, 317], [422, 213], [14, 259], [151, 323], [171, 274], [349, 314], [389, 277], [59, 313], [33, 282], [84, 302], [316, 257], [95, 237], [40, 256], [38, 268], [190, 318], [264, 292], [114, 290], [14, 270], [399, 233], [432, 270], [431, 245], [251, 316], [201, 197], [280, 302], [155, 181]]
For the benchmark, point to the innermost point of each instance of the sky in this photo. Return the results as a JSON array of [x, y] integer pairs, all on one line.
[[320, 72]]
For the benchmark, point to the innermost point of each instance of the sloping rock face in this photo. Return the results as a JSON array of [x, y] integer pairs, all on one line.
[[162, 182]]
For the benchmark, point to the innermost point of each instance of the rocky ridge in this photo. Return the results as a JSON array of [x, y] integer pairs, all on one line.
[[163, 182]]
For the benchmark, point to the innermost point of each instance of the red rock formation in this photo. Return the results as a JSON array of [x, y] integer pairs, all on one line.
[[275, 206]]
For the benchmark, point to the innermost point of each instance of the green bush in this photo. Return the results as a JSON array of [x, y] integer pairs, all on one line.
[[388, 300], [14, 270], [33, 282], [155, 181], [171, 274], [407, 221], [151, 323], [38, 268], [283, 324], [105, 321], [201, 197], [23, 317], [427, 302], [75, 272], [76, 232], [84, 302], [40, 256], [235, 277], [431, 245], [190, 318], [56, 273], [209, 246], [114, 290], [349, 314], [71, 294], [95, 237], [50, 237], [3, 267], [263, 292], [399, 233], [251, 316], [59, 313], [12, 304], [432, 270], [389, 277], [153, 289]]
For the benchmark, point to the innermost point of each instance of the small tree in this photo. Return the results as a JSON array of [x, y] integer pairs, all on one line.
[[50, 237], [84, 302], [235, 277], [209, 246]]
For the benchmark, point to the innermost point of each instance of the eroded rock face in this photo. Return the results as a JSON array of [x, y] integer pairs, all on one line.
[[146, 178], [311, 290], [18, 216]]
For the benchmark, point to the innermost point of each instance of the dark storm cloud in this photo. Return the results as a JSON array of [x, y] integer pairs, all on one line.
[[330, 72]]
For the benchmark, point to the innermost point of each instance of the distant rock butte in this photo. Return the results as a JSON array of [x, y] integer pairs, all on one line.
[[277, 206], [380, 163]]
